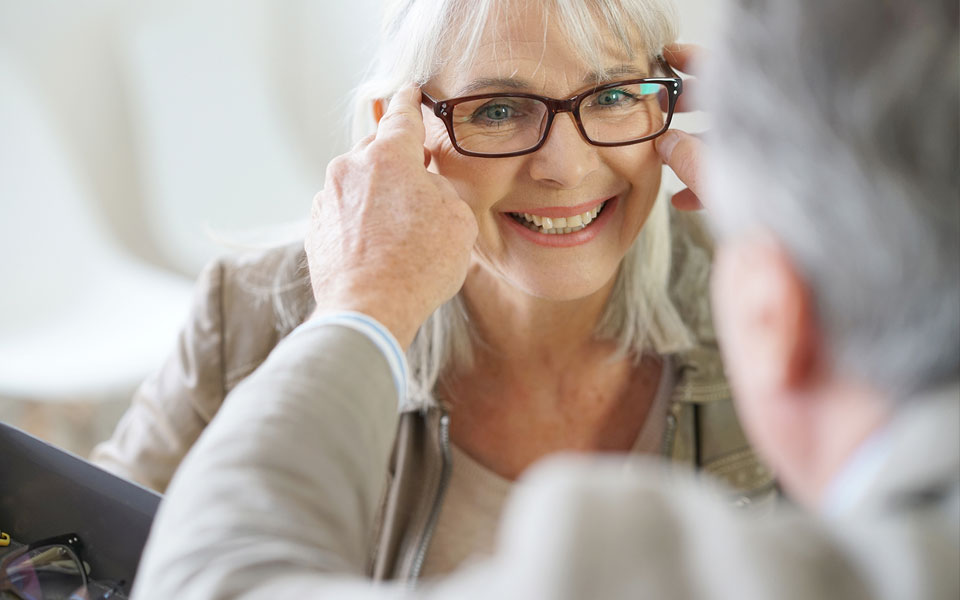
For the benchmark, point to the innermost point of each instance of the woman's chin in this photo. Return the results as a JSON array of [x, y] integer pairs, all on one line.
[[561, 286], [556, 280]]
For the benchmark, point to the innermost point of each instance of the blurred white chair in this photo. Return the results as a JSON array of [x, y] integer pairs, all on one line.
[[79, 317], [235, 123], [144, 126]]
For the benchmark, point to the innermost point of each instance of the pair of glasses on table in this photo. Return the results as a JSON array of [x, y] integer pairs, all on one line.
[[501, 125], [52, 569]]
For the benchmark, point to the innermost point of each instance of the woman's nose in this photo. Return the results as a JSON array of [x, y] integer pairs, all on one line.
[[566, 158]]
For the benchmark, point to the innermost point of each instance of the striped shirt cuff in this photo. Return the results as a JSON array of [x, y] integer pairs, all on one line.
[[377, 333]]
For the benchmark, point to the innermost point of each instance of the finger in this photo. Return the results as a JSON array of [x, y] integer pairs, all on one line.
[[403, 121], [683, 57], [681, 152], [364, 142], [685, 199]]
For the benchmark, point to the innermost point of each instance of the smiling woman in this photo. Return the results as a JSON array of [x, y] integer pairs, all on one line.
[[558, 49], [582, 323]]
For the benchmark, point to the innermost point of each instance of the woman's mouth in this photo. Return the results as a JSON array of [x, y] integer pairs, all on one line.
[[558, 225]]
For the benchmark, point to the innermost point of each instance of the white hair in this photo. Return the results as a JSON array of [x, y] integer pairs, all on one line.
[[421, 37], [837, 131]]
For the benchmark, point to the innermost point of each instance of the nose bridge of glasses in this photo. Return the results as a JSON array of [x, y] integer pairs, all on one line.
[[564, 106], [561, 106]]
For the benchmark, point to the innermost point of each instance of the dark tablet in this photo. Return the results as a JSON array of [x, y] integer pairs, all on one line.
[[46, 492]]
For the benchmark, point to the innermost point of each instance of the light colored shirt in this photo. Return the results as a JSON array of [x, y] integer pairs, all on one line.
[[852, 482], [467, 526]]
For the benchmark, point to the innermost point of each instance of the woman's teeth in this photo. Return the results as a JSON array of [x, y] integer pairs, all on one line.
[[558, 225]]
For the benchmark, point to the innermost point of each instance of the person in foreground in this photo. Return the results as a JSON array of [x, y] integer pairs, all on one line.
[[838, 301]]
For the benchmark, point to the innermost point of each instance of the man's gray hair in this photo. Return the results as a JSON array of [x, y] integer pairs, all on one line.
[[837, 131]]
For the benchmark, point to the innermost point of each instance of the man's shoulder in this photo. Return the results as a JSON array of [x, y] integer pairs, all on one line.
[[617, 529]]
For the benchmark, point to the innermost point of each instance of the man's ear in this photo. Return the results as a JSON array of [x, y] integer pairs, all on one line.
[[766, 317], [379, 108]]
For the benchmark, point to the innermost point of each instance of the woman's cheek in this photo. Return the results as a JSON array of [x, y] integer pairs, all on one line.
[[437, 142], [642, 162], [473, 178], [643, 170]]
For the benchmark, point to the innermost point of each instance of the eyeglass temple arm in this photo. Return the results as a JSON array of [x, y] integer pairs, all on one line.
[[67, 539], [427, 100], [667, 69], [432, 103]]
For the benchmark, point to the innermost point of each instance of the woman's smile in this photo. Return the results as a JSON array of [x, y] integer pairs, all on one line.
[[561, 226]]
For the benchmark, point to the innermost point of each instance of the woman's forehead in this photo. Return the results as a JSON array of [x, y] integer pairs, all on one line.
[[525, 52], [527, 76]]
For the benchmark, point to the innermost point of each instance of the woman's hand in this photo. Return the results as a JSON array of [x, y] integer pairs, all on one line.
[[679, 150], [387, 237]]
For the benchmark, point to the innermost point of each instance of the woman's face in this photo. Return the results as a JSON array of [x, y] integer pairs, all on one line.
[[566, 177]]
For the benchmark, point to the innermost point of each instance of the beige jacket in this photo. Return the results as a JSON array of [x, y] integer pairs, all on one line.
[[237, 320], [243, 520]]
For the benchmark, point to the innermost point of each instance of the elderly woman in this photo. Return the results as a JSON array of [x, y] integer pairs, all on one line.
[[582, 321]]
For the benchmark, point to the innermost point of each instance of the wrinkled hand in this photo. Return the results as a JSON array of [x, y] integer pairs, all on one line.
[[387, 237], [681, 151]]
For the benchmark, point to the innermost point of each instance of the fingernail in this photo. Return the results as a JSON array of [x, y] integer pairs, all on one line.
[[666, 143]]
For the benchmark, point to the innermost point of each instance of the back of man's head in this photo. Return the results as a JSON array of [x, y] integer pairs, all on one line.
[[837, 131]]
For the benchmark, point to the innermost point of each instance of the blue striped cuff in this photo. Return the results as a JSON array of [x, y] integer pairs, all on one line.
[[377, 333]]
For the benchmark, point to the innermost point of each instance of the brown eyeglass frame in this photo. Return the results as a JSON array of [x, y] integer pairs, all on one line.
[[443, 109]]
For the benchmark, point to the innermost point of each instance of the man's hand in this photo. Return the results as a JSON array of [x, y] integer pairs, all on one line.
[[387, 237], [680, 150]]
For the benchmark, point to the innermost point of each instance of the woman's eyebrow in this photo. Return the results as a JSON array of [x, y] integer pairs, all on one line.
[[494, 82], [620, 70], [513, 83]]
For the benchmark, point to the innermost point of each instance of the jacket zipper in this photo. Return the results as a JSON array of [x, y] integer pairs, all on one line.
[[710, 393], [437, 501], [689, 394], [670, 431]]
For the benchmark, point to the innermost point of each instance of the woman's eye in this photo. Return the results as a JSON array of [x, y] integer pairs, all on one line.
[[496, 112], [611, 97]]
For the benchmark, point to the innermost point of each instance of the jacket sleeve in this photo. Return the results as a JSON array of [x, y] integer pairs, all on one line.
[[280, 493], [172, 407]]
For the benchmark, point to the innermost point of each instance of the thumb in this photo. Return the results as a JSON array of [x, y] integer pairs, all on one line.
[[681, 152]]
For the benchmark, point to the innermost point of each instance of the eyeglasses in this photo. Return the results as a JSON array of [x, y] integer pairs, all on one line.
[[52, 569], [612, 114]]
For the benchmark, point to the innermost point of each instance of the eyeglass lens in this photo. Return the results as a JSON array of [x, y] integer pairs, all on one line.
[[512, 124], [46, 573]]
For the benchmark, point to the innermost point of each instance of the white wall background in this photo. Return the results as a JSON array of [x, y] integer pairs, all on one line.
[[185, 114], [132, 130]]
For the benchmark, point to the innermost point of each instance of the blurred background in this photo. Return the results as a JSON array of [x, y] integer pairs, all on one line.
[[139, 139]]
